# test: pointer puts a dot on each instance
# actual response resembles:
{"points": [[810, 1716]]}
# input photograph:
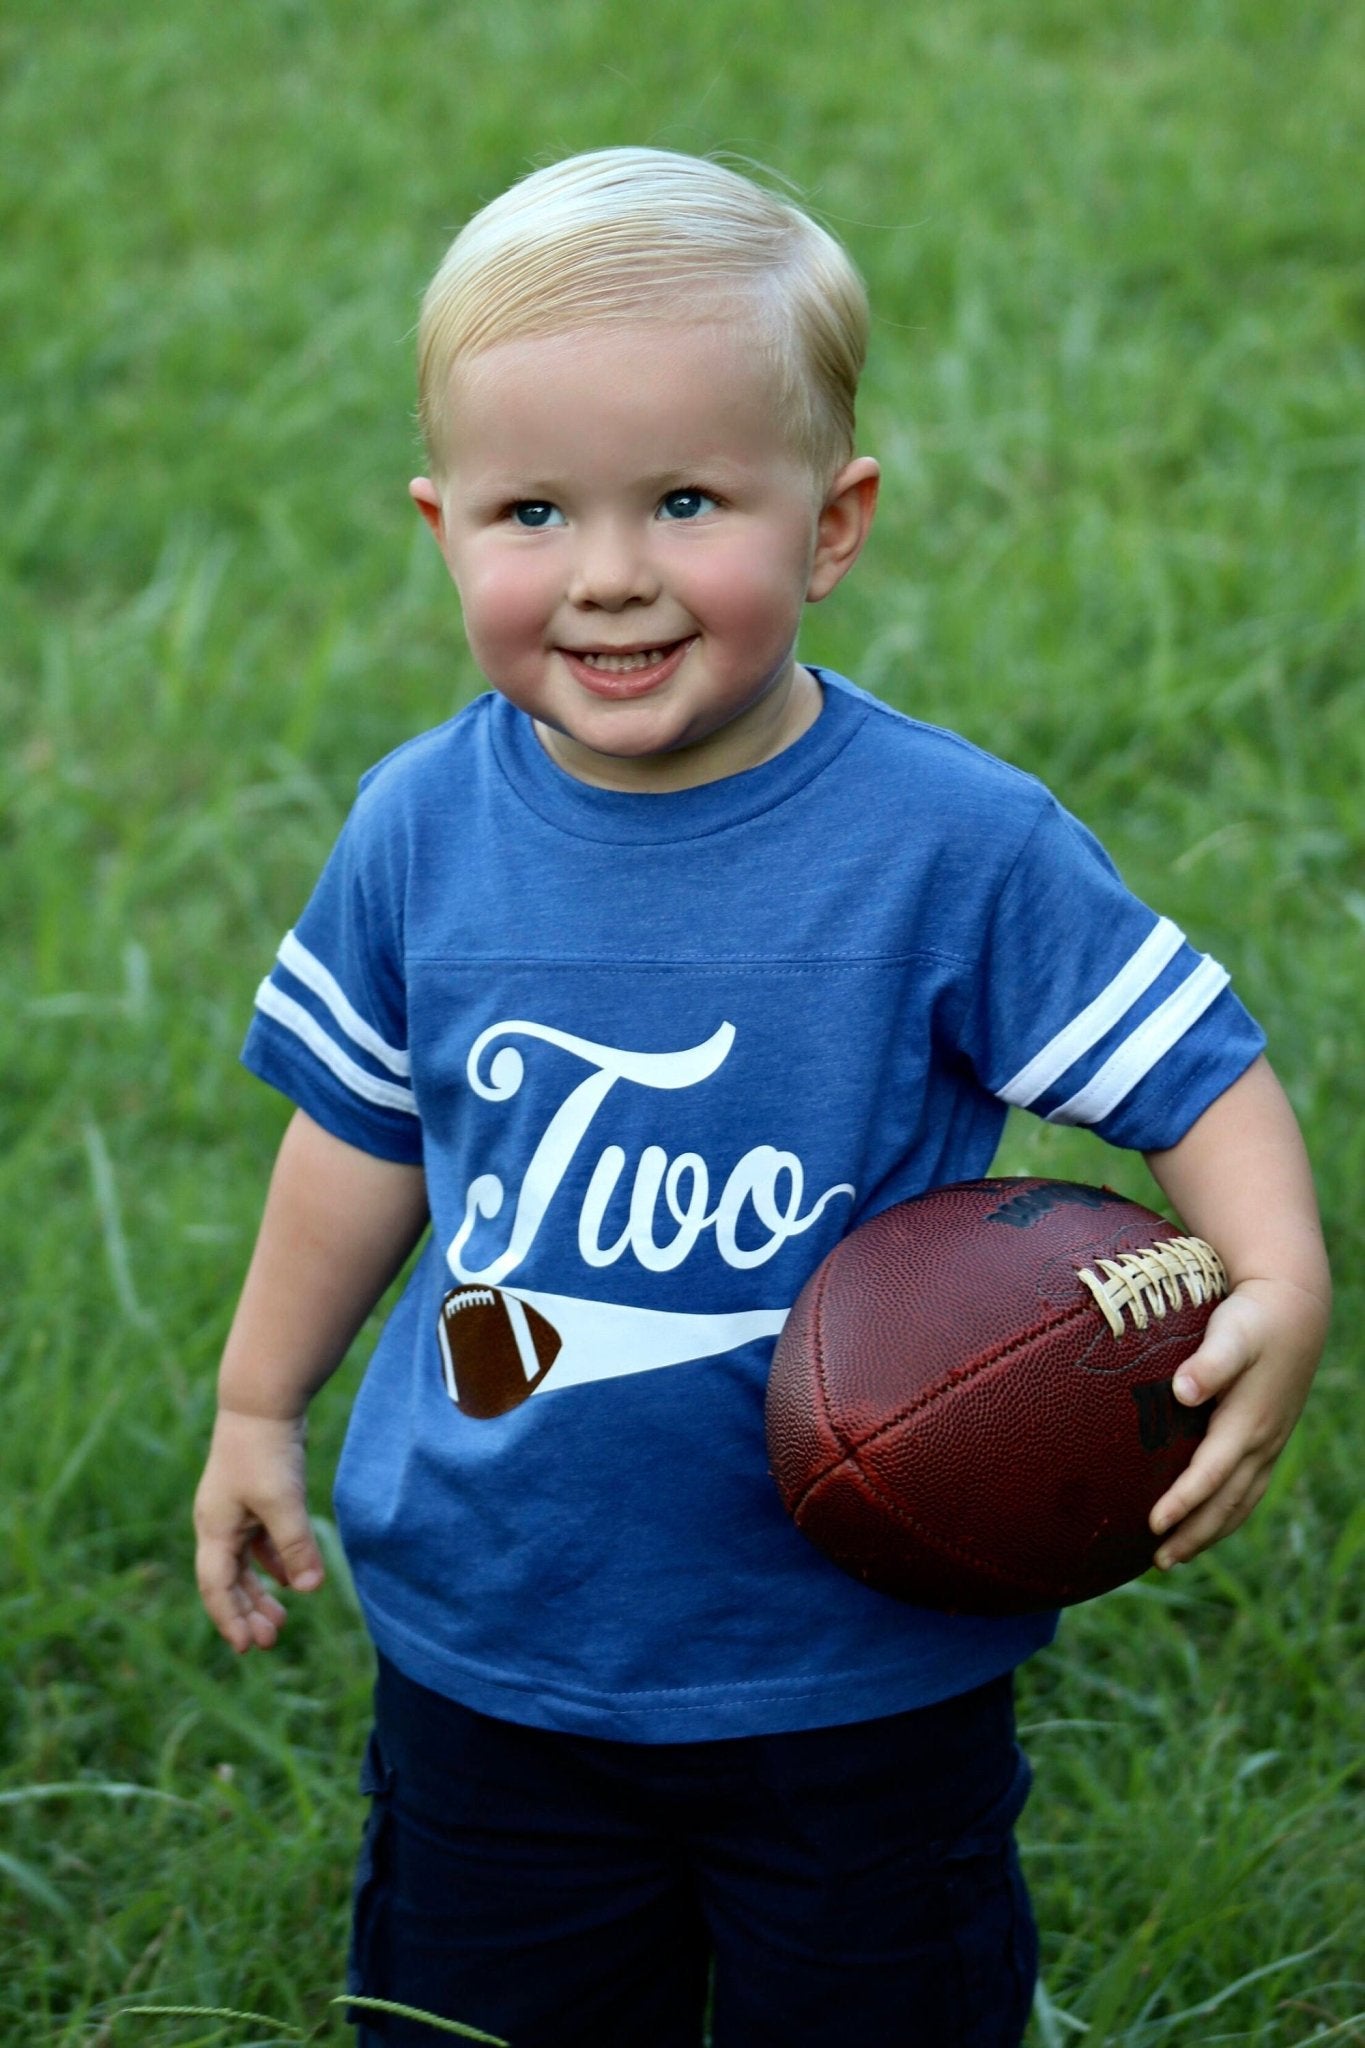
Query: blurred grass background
{"points": [[1118, 268]]}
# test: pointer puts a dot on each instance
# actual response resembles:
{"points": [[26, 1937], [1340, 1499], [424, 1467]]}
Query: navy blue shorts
{"points": [[854, 1884]]}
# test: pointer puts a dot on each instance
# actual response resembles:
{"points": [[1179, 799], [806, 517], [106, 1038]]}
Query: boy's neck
{"points": [[766, 730]]}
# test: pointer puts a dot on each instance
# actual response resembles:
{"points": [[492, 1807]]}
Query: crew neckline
{"points": [[654, 818]]}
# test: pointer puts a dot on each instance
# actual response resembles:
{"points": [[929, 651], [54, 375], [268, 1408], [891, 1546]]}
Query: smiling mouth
{"points": [[626, 664], [629, 672]]}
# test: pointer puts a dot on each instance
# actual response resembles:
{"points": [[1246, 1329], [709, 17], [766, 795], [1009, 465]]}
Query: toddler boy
{"points": [[646, 979]]}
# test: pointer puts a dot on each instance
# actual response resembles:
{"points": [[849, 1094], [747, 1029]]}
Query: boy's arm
{"points": [[1240, 1178], [338, 1224]]}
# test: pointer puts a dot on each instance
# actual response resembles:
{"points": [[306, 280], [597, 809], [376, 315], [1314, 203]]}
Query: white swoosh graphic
{"points": [[605, 1339]]}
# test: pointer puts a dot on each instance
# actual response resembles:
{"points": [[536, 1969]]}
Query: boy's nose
{"points": [[612, 569]]}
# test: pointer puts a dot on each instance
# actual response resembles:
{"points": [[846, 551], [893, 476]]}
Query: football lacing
{"points": [[1149, 1282], [469, 1297]]}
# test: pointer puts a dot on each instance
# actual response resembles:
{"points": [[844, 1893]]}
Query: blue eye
{"points": [[685, 505], [535, 513]]}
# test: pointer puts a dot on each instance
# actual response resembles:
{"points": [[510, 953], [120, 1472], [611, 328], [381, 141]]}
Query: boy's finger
{"points": [[286, 1546], [1225, 1511], [239, 1607], [264, 1619], [1227, 1349], [1176, 1505], [1210, 1469], [266, 1553]]}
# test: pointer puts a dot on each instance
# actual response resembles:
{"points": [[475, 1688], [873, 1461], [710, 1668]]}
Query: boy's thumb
{"points": [[306, 1577], [292, 1555]]}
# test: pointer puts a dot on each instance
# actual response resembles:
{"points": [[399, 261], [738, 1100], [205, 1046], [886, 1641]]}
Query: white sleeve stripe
{"points": [[307, 968], [295, 1018], [1149, 1044], [1077, 1038]]}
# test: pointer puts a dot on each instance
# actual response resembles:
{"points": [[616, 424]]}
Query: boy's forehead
{"points": [[707, 387]]}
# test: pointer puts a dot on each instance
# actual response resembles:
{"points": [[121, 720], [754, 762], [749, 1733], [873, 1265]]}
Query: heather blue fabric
{"points": [[658, 1054]]}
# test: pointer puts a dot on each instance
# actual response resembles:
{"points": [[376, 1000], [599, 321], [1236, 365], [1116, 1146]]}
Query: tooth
{"points": [[623, 664]]}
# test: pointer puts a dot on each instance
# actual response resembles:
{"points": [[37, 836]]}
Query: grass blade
{"points": [[427, 2019], [209, 2012], [111, 1222], [101, 1788], [33, 1885]]}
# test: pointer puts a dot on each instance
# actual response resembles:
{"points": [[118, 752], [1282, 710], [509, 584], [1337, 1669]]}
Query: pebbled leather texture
{"points": [[951, 1417]]}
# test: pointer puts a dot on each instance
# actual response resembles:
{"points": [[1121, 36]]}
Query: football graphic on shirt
{"points": [[495, 1350]]}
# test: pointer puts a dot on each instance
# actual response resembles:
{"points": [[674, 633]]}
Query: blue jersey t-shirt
{"points": [[657, 1054]]}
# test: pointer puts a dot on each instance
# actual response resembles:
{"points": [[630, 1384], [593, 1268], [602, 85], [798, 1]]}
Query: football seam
{"points": [[959, 1376], [817, 1332], [852, 1446], [942, 1545]]}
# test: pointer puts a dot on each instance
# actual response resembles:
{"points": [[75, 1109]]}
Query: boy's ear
{"points": [[427, 499], [844, 524]]}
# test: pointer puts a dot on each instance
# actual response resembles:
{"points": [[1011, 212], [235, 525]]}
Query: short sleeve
{"points": [[330, 1025], [1089, 1008]]}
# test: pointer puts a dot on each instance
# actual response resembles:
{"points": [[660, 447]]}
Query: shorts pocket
{"points": [[366, 1973], [996, 1941]]}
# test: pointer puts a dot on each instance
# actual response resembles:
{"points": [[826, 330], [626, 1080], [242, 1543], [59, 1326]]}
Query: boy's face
{"points": [[634, 537]]}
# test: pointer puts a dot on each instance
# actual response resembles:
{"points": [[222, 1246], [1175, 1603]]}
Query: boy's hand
{"points": [[1257, 1361], [250, 1505], [1240, 1178], [337, 1226]]}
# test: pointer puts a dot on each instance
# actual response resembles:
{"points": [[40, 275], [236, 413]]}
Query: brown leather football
{"points": [[970, 1405]]}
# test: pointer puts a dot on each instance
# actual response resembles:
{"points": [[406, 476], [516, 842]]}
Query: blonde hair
{"points": [[619, 235]]}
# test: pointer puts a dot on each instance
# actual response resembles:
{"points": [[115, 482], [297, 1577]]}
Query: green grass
{"points": [[1117, 385]]}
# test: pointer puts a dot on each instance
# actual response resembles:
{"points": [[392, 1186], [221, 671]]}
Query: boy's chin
{"points": [[638, 752], [606, 758]]}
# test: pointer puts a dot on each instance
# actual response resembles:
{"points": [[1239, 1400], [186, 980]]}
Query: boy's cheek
{"points": [[508, 623], [504, 617], [515, 662]]}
